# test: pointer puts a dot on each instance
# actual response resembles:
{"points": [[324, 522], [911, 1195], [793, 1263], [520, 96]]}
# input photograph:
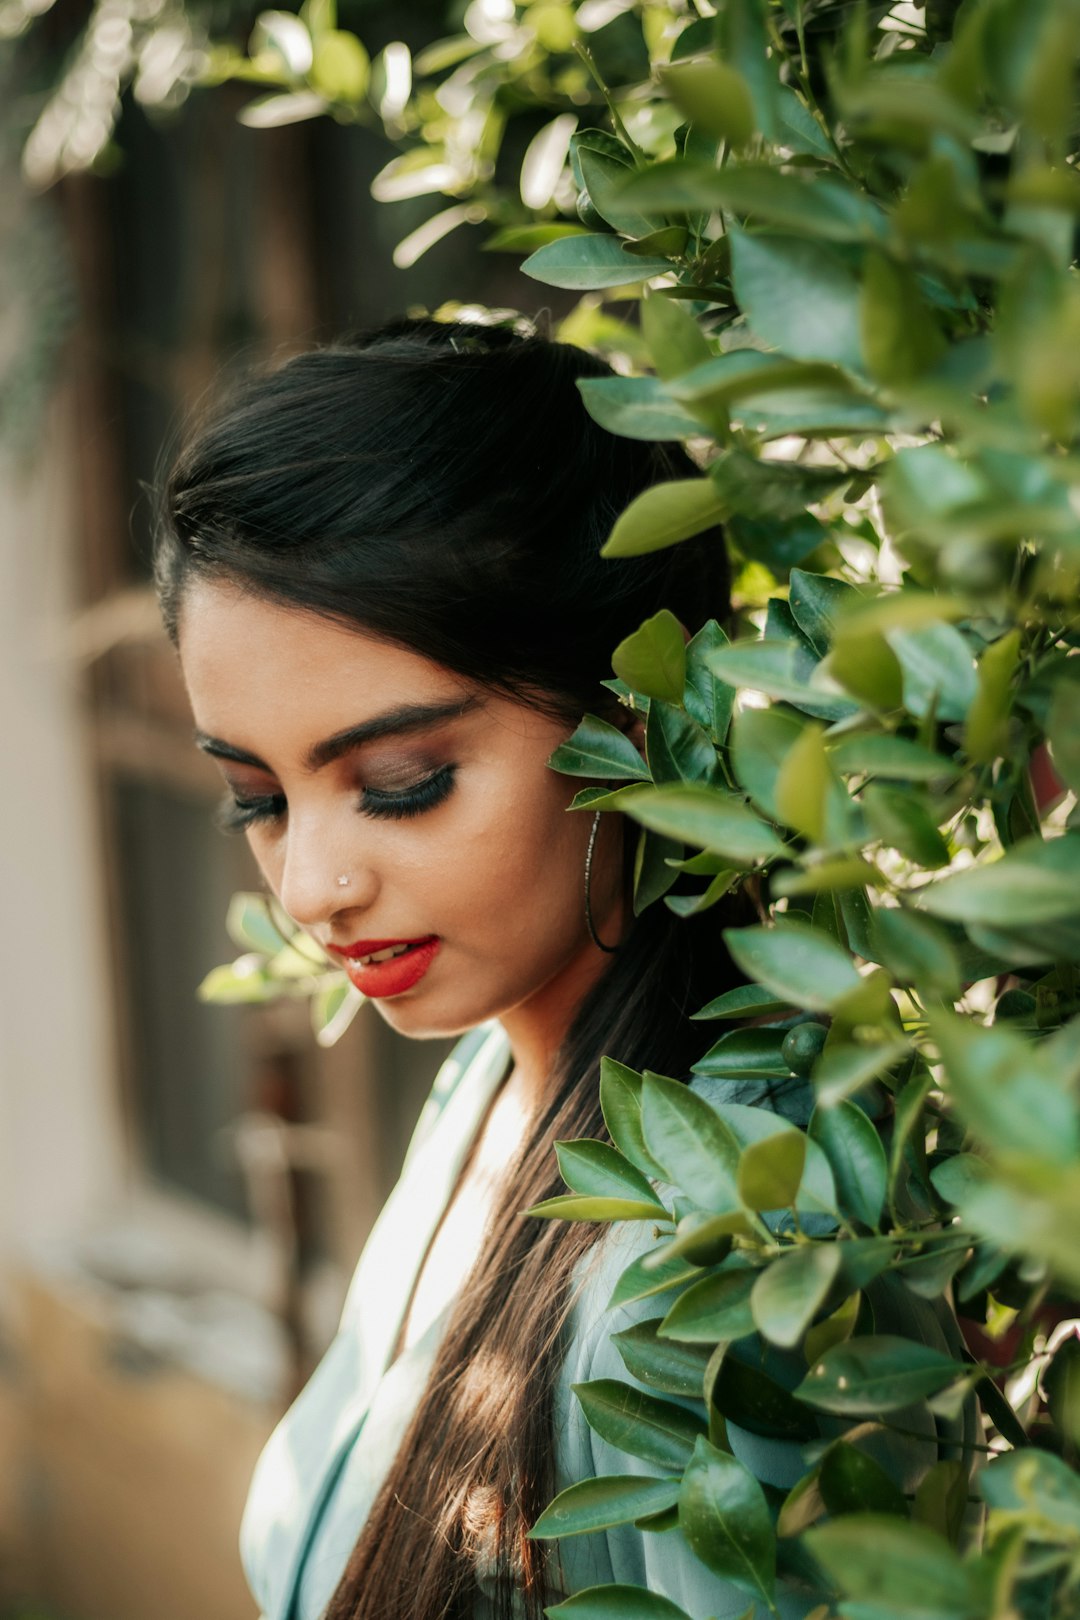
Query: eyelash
{"points": [[234, 815]]}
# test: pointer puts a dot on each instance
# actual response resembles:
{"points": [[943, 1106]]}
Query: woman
{"points": [[380, 566]]}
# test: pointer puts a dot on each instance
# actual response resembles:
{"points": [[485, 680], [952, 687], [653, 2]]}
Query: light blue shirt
{"points": [[323, 1466]]}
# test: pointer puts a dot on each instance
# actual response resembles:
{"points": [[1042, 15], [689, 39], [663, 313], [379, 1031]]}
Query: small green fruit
{"points": [[708, 1249], [802, 1047]]}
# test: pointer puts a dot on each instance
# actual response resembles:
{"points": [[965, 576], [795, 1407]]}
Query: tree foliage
{"points": [[848, 231]]}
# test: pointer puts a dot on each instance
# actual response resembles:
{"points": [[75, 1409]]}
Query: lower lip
{"points": [[396, 974]]}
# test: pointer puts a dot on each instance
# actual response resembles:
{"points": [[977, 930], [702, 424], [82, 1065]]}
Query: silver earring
{"points": [[343, 881], [590, 925]]}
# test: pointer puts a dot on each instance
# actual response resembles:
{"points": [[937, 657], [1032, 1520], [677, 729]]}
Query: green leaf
{"points": [[853, 1482], [673, 1369], [851, 1144], [620, 1103], [917, 951], [897, 758], [816, 205], [696, 1148], [340, 68], [770, 1170], [844, 1069], [778, 669], [941, 1499], [662, 515], [674, 339], [902, 822], [572, 1207], [712, 1310], [939, 671], [708, 700], [801, 964], [814, 600], [725, 1519], [601, 1503], [864, 1377], [653, 659], [598, 748], [746, 1053], [872, 1557], [636, 408], [1007, 1090], [645, 1277], [642, 1425], [745, 1001], [616, 1602], [707, 818], [598, 1170], [714, 97], [802, 784], [760, 742], [587, 262], [867, 667], [799, 296], [603, 176], [1037, 881], [901, 338], [678, 750], [986, 731], [788, 1293]]}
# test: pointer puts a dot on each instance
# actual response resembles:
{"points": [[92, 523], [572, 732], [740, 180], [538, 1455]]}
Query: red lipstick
{"points": [[394, 974]]}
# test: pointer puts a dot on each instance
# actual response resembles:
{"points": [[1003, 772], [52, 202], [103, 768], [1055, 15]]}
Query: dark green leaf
{"points": [[706, 818], [903, 823], [745, 1001], [708, 699], [777, 669], [616, 1603], [853, 1482], [642, 1281], [814, 599], [599, 749], [799, 296], [725, 1519], [643, 1425], [864, 1377], [673, 1369], [676, 747], [714, 1309], [872, 1557], [636, 408]]}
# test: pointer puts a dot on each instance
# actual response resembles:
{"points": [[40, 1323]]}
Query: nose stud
{"points": [[342, 881]]}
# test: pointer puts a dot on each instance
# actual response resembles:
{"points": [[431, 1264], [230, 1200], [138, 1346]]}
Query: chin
{"points": [[418, 1023]]}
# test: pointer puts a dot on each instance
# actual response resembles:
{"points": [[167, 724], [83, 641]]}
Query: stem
{"points": [[624, 134]]}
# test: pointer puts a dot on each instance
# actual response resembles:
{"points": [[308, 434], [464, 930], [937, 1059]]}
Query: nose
{"points": [[315, 859]]}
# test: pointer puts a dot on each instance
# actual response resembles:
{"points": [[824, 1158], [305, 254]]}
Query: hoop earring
{"points": [[590, 925]]}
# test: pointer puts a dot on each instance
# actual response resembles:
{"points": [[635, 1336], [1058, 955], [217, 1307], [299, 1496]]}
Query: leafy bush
{"points": [[851, 232]]}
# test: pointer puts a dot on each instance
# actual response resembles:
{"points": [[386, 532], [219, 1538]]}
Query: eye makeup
{"points": [[236, 813]]}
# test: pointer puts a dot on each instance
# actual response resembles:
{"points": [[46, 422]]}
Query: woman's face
{"points": [[442, 812]]}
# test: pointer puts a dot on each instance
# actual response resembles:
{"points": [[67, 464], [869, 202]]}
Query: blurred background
{"points": [[184, 1187]]}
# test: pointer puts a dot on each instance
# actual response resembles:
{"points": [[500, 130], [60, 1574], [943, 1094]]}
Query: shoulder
{"points": [[484, 1047]]}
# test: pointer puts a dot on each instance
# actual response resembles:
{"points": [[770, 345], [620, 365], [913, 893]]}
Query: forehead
{"points": [[248, 663]]}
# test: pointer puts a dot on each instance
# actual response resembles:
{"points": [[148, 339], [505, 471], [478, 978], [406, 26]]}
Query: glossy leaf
{"points": [[598, 748], [675, 341], [713, 1309], [663, 1364], [744, 1001], [642, 1281], [854, 1482], [884, 1373], [598, 1170], [799, 296], [575, 1207], [620, 1103], [777, 669], [856, 1156], [873, 1556], [725, 1519], [685, 1135], [616, 1602], [636, 408]]}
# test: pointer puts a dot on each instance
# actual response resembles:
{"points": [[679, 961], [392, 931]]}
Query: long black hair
{"points": [[442, 485]]}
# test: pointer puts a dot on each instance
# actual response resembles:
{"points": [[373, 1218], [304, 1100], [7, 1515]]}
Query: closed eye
{"points": [[235, 814]]}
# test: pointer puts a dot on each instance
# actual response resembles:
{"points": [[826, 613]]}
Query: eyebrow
{"points": [[405, 719]]}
